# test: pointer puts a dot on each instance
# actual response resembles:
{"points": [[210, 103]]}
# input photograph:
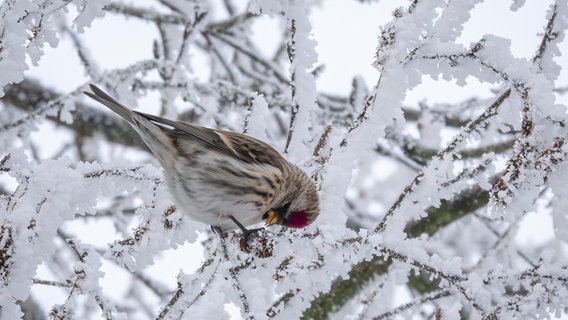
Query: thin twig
{"points": [[466, 131]]}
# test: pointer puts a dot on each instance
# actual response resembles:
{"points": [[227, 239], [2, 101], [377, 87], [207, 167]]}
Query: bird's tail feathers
{"points": [[100, 96], [153, 135]]}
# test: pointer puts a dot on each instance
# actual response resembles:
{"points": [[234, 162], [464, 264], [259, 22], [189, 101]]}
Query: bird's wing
{"points": [[241, 147], [252, 150]]}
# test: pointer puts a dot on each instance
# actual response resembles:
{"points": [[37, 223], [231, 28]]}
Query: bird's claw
{"points": [[244, 240]]}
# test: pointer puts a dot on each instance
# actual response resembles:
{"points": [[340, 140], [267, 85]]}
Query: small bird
{"points": [[225, 179]]}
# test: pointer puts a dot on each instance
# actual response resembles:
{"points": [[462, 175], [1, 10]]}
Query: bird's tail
{"points": [[109, 102], [153, 135]]}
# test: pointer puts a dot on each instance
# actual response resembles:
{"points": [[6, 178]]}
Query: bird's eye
{"points": [[284, 209], [297, 219]]}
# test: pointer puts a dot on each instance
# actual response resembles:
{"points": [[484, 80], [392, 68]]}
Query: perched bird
{"points": [[221, 178]]}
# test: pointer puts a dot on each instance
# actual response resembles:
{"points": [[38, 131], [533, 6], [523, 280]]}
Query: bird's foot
{"points": [[245, 238], [246, 234], [218, 231], [263, 247]]}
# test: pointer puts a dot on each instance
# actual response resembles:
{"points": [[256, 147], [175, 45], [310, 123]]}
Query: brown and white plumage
{"points": [[215, 175]]}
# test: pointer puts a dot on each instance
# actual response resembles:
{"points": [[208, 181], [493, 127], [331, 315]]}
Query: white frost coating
{"points": [[339, 174], [88, 270], [304, 83], [497, 54], [451, 309], [450, 25], [378, 294], [386, 108], [13, 53], [66, 111], [304, 58], [475, 258], [517, 4], [50, 196], [430, 126], [54, 193], [188, 8], [260, 289], [88, 11], [557, 183], [258, 117], [255, 6], [510, 115], [159, 228], [550, 68], [46, 34], [23, 17]]}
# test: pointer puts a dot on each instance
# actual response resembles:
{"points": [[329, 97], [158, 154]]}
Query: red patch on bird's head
{"points": [[297, 219]]}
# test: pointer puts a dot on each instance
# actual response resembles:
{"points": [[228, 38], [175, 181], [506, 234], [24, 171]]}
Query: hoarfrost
{"points": [[435, 237]]}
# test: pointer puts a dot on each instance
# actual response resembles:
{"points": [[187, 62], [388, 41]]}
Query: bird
{"points": [[224, 179]]}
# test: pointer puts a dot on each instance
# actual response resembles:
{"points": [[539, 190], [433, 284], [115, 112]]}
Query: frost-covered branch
{"points": [[424, 205]]}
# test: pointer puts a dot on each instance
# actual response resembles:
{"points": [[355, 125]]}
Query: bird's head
{"points": [[299, 204]]}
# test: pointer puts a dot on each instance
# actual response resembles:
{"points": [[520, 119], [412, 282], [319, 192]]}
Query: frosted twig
{"points": [[360, 117], [549, 35], [3, 167], [188, 30], [249, 104], [106, 311], [415, 303], [294, 108], [59, 284], [280, 303], [253, 55], [468, 173], [226, 64], [233, 271], [453, 280], [89, 64], [500, 240], [145, 14], [212, 264], [322, 141], [473, 125]]}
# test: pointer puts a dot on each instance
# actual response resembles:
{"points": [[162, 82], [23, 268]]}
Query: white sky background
{"points": [[346, 32]]}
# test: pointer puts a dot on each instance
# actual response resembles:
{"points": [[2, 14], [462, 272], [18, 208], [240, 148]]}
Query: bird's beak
{"points": [[272, 218]]}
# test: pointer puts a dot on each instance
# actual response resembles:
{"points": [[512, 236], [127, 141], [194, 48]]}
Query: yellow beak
{"points": [[273, 218]]}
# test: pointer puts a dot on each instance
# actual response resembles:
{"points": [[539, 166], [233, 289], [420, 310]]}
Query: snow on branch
{"points": [[442, 208]]}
